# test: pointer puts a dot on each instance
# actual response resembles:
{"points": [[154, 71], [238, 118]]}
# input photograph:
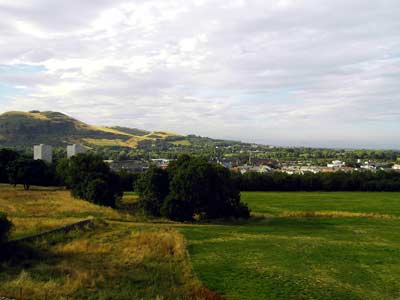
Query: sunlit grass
{"points": [[341, 246], [117, 259], [42, 209], [114, 261]]}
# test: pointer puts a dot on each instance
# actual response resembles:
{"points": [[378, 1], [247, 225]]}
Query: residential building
{"points": [[43, 152], [74, 150], [336, 164]]}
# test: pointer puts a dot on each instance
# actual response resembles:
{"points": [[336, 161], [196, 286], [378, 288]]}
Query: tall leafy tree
{"points": [[153, 188], [90, 178], [7, 156], [30, 172]]}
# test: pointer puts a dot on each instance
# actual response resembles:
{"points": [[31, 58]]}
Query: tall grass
{"points": [[42, 209], [113, 260]]}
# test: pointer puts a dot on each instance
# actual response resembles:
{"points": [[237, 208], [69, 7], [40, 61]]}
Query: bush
{"points": [[5, 228]]}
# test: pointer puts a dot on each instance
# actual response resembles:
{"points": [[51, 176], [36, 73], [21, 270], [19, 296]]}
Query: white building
{"points": [[396, 167], [43, 152], [336, 164], [74, 150]]}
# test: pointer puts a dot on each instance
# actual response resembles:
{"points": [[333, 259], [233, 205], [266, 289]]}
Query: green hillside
{"points": [[28, 128]]}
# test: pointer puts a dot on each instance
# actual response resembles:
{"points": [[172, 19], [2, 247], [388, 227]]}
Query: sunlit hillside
{"points": [[27, 128]]}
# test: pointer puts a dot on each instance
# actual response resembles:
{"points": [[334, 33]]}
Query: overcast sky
{"points": [[306, 72]]}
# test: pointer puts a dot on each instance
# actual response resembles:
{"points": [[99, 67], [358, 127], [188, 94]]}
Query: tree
{"points": [[91, 179], [128, 180], [5, 228], [7, 156], [198, 188], [153, 188], [30, 172]]}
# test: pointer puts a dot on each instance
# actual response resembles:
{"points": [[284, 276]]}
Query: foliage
{"points": [[337, 181], [153, 188], [128, 180], [200, 188], [191, 187], [5, 227], [30, 172], [7, 156], [91, 179]]}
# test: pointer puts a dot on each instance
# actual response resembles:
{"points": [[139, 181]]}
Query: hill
{"points": [[55, 128], [24, 129]]}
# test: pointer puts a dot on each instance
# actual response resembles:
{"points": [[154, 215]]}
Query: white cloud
{"points": [[306, 71]]}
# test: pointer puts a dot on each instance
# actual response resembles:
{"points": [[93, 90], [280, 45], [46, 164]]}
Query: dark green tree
{"points": [[7, 156], [30, 172], [153, 188], [90, 178], [198, 188]]}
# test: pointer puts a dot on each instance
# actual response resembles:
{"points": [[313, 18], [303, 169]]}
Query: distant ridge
{"points": [[19, 128], [25, 129]]}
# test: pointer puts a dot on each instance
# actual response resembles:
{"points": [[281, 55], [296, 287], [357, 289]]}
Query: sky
{"points": [[321, 73]]}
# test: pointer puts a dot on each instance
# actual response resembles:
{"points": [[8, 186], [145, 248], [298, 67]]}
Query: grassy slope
{"points": [[42, 209], [286, 258], [56, 128], [117, 259]]}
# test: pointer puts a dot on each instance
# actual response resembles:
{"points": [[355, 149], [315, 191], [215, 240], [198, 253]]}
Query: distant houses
{"points": [[336, 164]]}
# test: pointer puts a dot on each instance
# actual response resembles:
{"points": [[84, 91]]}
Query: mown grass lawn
{"points": [[356, 202], [290, 256]]}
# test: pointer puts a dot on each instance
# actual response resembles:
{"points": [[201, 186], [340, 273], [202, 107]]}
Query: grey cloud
{"points": [[268, 71]]}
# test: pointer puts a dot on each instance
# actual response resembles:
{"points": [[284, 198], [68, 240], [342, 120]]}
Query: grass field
{"points": [[306, 246], [340, 246], [118, 258], [348, 202]]}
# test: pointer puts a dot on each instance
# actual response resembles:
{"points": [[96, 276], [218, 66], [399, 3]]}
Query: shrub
{"points": [[5, 227]]}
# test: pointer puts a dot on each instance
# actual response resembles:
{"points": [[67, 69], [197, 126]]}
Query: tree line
{"points": [[86, 175], [337, 181], [190, 188]]}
